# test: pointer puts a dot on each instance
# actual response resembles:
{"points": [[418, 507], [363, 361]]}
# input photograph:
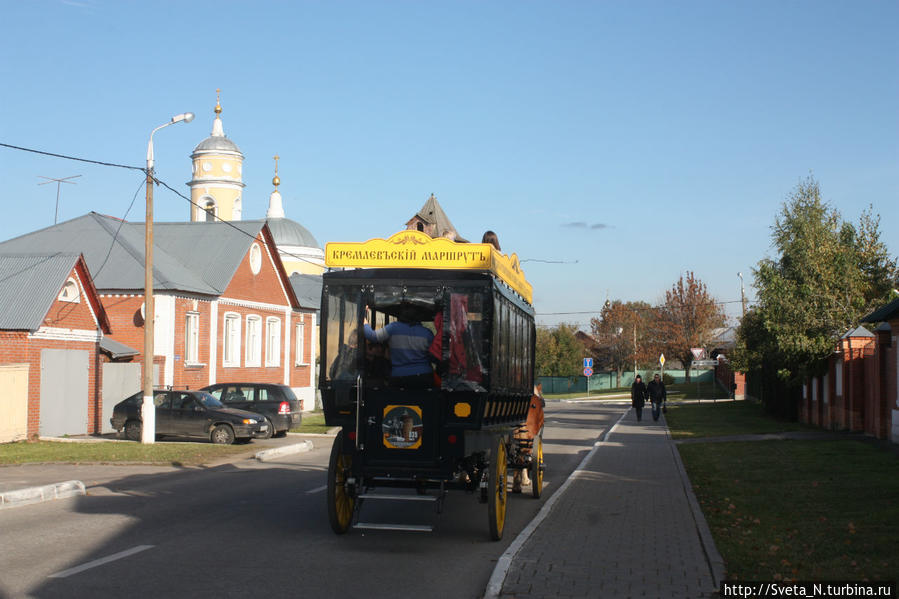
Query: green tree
{"points": [[619, 326], [559, 353], [687, 318], [827, 275]]}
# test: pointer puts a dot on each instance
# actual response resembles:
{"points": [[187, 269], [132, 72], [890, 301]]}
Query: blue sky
{"points": [[630, 141]]}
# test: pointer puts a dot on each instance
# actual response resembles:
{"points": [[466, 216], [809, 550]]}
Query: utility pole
{"points": [[148, 409], [58, 181], [635, 349], [742, 293]]}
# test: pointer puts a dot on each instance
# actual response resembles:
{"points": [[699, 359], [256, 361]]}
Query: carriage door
{"points": [[64, 376]]}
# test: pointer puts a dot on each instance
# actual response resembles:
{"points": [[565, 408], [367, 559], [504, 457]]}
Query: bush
{"points": [[667, 379]]}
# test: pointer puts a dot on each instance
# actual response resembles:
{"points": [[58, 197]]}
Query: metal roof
{"points": [[194, 257], [115, 349], [216, 143], [29, 284], [858, 332], [308, 289], [887, 312], [212, 251], [432, 212], [290, 232]]}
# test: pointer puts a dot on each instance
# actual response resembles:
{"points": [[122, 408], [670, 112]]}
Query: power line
{"points": [[157, 180], [136, 168], [650, 308], [229, 223], [548, 261]]}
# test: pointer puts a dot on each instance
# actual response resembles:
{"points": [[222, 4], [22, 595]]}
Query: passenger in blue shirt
{"points": [[409, 342]]}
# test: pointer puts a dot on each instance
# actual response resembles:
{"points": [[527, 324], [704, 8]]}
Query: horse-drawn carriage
{"points": [[463, 430]]}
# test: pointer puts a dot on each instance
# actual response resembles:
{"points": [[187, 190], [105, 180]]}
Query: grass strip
{"points": [[721, 418], [313, 422], [799, 510], [177, 454]]}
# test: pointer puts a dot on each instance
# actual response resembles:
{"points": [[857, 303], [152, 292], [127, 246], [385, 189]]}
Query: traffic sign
{"points": [[703, 363], [662, 359], [588, 362], [588, 371], [697, 352]]}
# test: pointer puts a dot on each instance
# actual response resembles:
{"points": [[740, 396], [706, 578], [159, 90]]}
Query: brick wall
{"points": [[265, 286], [192, 376], [859, 387]]}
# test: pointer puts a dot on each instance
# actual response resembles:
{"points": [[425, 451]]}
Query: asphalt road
{"points": [[252, 529]]}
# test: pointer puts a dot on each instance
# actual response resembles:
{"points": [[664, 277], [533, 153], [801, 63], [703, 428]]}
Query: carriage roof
{"points": [[417, 250]]}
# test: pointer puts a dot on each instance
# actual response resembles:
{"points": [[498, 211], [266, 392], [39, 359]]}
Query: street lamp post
{"points": [[148, 410]]}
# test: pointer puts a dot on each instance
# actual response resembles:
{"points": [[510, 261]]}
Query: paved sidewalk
{"points": [[627, 525]]}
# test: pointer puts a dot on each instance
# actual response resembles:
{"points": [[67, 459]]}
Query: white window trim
{"points": [[272, 349], [253, 354], [255, 258], [300, 344], [70, 284], [235, 317], [192, 358]]}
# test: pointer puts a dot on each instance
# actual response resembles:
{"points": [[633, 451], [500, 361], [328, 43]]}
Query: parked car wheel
{"points": [[280, 433], [270, 431], [222, 434], [133, 430]]}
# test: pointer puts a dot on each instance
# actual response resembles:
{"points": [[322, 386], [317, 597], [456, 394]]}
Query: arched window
{"points": [[69, 292], [208, 205], [255, 258]]}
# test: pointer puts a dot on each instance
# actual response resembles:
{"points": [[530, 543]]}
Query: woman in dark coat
{"points": [[638, 396]]}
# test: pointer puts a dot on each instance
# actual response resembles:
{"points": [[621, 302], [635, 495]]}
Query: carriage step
{"points": [[386, 526], [398, 497]]}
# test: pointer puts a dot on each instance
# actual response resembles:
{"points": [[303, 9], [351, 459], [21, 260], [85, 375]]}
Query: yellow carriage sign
{"points": [[414, 249]]}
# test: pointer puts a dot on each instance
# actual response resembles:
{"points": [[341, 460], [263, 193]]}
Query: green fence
{"points": [[604, 381]]}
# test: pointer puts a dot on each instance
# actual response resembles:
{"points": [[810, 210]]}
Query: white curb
{"points": [[70, 488], [271, 454]]}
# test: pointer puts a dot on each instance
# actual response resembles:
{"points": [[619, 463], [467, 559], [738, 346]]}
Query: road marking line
{"points": [[317, 490], [101, 561]]}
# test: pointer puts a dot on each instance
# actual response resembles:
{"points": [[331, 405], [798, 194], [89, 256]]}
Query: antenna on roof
{"points": [[58, 182]]}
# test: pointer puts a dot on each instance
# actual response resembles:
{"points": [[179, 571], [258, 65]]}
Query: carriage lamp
{"points": [[462, 409]]}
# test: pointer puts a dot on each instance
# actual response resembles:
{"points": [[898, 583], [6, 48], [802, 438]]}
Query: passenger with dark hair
{"points": [[408, 341], [638, 396], [491, 238]]}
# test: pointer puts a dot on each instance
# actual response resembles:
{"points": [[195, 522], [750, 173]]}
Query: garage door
{"points": [[120, 380], [13, 402], [64, 374]]}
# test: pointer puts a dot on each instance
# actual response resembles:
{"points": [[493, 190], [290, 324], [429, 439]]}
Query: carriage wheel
{"points": [[536, 470], [496, 491], [340, 502]]}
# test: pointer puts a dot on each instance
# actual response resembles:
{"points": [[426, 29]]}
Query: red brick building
{"points": [[860, 390], [224, 307], [51, 324]]}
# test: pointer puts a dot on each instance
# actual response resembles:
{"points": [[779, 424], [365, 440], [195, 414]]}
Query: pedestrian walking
{"points": [[657, 395], [638, 396]]}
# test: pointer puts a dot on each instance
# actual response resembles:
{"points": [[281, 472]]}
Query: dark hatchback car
{"points": [[277, 403], [189, 414]]}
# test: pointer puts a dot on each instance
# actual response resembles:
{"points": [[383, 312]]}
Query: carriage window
{"points": [[501, 358], [466, 352], [342, 335], [516, 349]]}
